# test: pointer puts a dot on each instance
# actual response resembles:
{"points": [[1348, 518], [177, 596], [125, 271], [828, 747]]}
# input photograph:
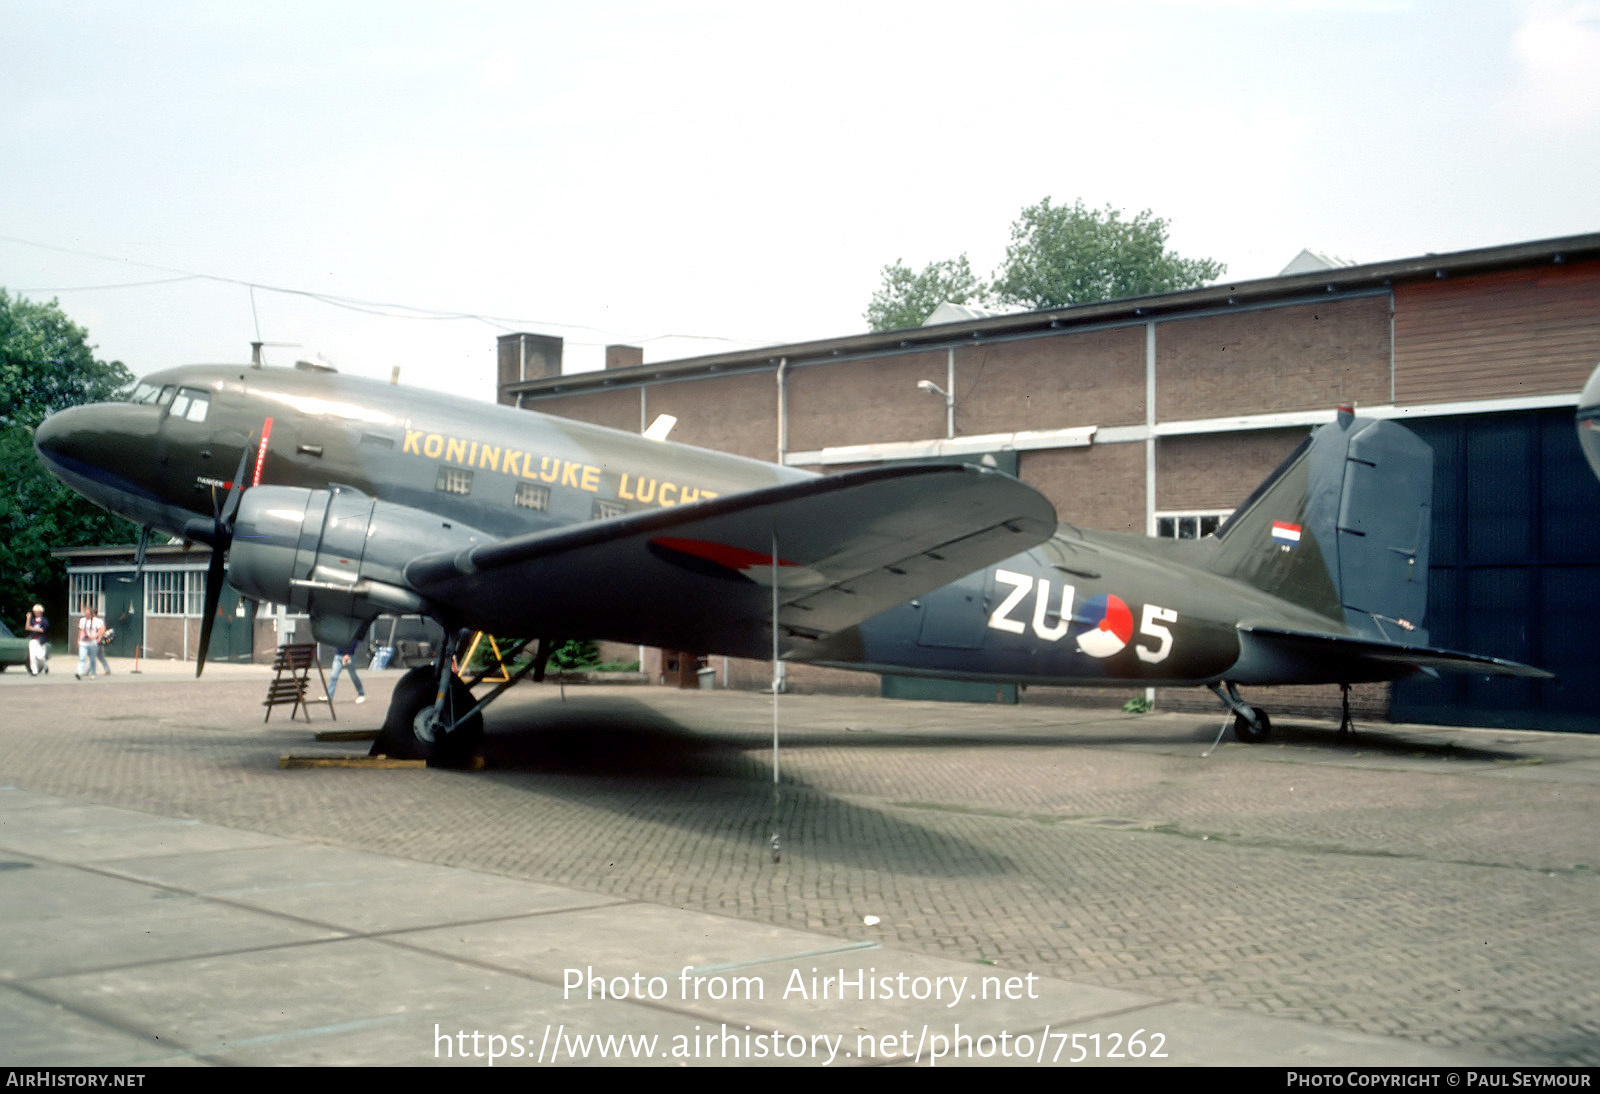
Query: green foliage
{"points": [[46, 364], [1061, 255], [1139, 704], [575, 655], [907, 298]]}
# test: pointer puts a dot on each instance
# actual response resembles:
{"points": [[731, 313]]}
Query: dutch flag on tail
{"points": [[1285, 534]]}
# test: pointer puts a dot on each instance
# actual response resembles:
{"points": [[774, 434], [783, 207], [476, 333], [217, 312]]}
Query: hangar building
{"points": [[1161, 413]]}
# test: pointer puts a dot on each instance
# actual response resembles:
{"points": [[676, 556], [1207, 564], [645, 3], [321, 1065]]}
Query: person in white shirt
{"points": [[90, 629]]}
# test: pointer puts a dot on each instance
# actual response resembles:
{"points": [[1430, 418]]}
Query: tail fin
{"points": [[1342, 528]]}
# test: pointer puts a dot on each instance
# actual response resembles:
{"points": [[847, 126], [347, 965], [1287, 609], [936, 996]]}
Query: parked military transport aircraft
{"points": [[347, 498]]}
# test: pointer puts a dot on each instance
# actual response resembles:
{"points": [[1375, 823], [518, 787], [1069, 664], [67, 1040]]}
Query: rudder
{"points": [[1342, 528]]}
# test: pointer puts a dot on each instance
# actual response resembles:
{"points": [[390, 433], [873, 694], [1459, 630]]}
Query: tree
{"points": [[906, 299], [46, 364], [1060, 256]]}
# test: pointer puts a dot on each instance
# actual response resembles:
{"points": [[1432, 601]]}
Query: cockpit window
{"points": [[144, 393], [191, 404]]}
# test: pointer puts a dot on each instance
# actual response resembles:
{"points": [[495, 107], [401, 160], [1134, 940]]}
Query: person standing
{"points": [[341, 660], [106, 634], [38, 631], [90, 628]]}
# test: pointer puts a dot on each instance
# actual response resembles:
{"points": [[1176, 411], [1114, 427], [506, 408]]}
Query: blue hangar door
{"points": [[1515, 572]]}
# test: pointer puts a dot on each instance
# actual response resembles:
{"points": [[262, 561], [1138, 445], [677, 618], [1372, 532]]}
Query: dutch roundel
{"points": [[1110, 626]]}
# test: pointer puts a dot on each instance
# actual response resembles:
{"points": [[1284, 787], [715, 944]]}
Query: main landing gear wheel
{"points": [[1248, 733], [1251, 725], [412, 731]]}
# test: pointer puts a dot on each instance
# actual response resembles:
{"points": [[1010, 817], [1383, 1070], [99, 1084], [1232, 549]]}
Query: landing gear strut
{"points": [[1250, 724], [433, 714], [1347, 724]]}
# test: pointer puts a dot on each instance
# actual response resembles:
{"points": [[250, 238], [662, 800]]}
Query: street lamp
{"points": [[949, 404]]}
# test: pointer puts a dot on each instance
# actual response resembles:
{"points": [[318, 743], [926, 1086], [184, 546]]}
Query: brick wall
{"points": [[1100, 486], [1088, 378], [858, 402], [737, 414], [1305, 357], [616, 409], [1218, 470]]}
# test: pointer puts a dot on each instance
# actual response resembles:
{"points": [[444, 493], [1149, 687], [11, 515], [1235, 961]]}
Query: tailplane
{"points": [[1342, 528]]}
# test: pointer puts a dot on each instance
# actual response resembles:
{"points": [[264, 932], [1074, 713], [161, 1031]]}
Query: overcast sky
{"points": [[736, 172]]}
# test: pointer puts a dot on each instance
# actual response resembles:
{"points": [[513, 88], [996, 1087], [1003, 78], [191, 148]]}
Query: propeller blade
{"points": [[214, 577], [221, 539], [230, 506]]}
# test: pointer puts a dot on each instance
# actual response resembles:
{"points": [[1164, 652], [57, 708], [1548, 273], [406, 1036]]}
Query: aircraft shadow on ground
{"points": [[624, 756], [1384, 740], [611, 735]]}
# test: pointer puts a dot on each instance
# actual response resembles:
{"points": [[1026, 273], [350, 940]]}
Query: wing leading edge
{"points": [[700, 577]]}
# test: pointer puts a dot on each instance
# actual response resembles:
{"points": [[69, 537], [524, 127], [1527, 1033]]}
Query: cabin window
{"points": [[1190, 525], [191, 404], [531, 495], [605, 510], [453, 480]]}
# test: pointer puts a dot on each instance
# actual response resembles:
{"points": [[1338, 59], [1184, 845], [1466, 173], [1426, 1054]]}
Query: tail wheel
{"points": [[412, 731], [1251, 726]]}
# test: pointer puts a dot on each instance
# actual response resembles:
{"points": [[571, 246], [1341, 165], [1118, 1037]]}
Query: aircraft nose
{"points": [[102, 443], [58, 439]]}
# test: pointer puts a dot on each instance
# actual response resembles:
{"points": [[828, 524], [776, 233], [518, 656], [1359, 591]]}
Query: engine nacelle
{"points": [[335, 554]]}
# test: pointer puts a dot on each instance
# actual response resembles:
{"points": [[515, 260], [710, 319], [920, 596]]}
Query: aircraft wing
{"points": [[1340, 654], [701, 577]]}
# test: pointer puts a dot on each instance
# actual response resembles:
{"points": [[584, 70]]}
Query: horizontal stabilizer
{"points": [[1334, 658], [700, 577]]}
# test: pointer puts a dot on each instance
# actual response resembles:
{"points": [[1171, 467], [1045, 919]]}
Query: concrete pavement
{"points": [[1423, 897]]}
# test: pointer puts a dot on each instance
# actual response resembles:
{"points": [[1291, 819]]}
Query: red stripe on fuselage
{"points": [[261, 453]]}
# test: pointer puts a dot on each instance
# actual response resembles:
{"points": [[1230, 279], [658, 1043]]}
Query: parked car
{"points": [[13, 650]]}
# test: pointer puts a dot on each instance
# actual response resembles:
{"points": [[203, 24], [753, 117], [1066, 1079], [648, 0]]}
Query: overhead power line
{"points": [[382, 309]]}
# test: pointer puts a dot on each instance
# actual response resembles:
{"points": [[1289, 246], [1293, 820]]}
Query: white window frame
{"points": [[1196, 519], [86, 591], [174, 594]]}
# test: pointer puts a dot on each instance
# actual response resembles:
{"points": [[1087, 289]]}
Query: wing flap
{"points": [[701, 577]]}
